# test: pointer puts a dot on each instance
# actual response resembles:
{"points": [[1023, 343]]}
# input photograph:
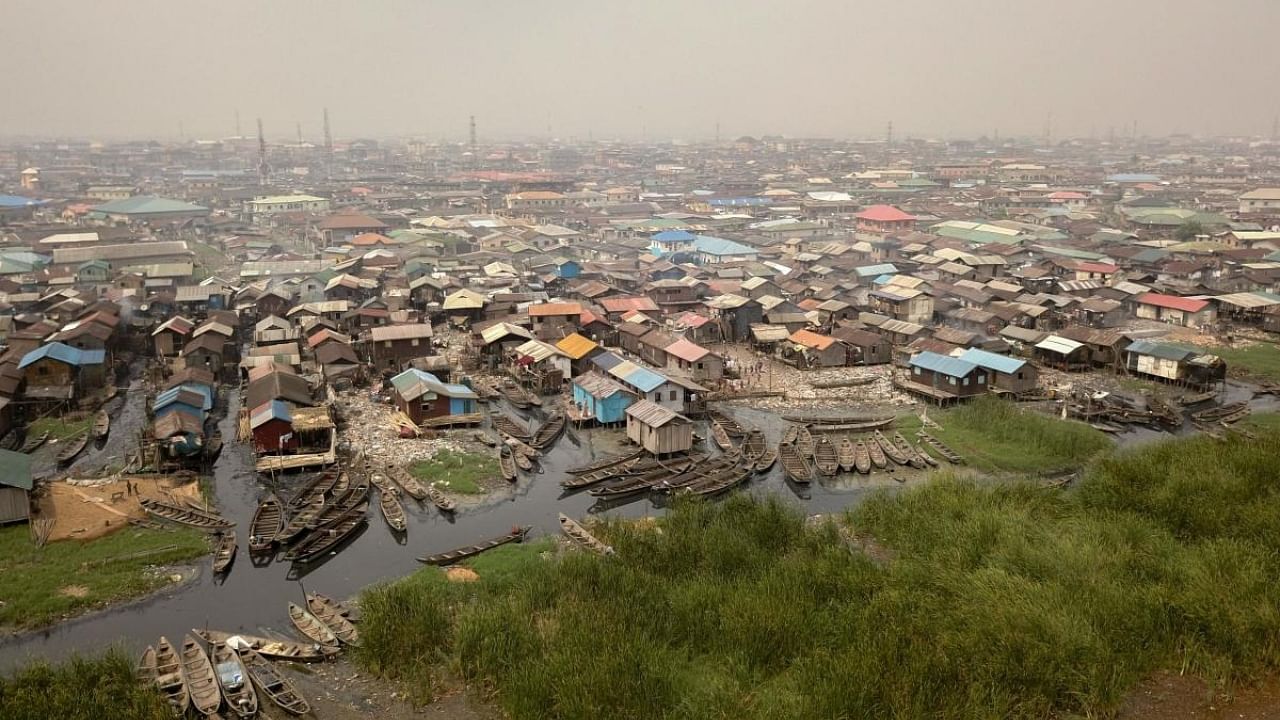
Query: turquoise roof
{"points": [[146, 205], [719, 246]]}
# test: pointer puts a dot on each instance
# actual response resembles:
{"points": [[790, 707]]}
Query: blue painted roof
{"points": [[720, 246], [953, 367], [274, 410], [879, 269], [991, 361], [13, 201], [170, 396], [64, 353], [642, 379], [738, 202], [673, 236], [606, 361]]}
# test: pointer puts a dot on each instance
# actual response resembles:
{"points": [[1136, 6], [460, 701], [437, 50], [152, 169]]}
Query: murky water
{"points": [[253, 599]]}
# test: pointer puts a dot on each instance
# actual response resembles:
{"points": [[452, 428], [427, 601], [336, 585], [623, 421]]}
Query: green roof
{"points": [[147, 205], [15, 469]]}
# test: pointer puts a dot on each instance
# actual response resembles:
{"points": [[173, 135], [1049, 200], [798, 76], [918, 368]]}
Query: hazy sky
{"points": [[651, 68]]}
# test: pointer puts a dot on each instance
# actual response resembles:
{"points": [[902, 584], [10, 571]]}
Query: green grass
{"points": [[81, 689], [998, 600], [997, 436], [1261, 360], [58, 428], [32, 579], [459, 472], [1262, 421]]}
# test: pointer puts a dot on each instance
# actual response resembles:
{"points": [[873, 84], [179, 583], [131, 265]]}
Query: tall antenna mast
{"points": [[238, 123], [299, 132], [473, 136], [888, 135], [264, 170], [328, 146]]}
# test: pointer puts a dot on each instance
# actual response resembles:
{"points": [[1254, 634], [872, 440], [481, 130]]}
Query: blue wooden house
{"points": [[601, 397]]}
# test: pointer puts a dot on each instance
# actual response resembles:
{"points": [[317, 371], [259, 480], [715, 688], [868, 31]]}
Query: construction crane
{"points": [[264, 170]]}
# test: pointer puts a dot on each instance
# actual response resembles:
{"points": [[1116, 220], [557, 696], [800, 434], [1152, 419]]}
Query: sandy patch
{"points": [[74, 591], [461, 574], [90, 511]]}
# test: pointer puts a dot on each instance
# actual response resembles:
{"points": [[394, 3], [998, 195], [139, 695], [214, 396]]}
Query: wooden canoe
{"points": [[643, 482], [311, 627], [505, 424], [889, 449], [517, 534], [352, 499], [507, 463], [332, 619], [851, 422], [825, 458], [439, 499], [33, 443], [343, 609], [328, 537], [101, 425], [313, 490], [269, 647], [224, 551], [340, 487], [791, 434], [392, 510], [169, 677], [854, 381], [923, 454], [515, 396], [198, 673], [795, 465], [861, 458], [942, 449], [846, 455], [410, 484], [604, 463], [1198, 398], [878, 459], [721, 436], [522, 461], [549, 431], [72, 448], [699, 472], [730, 425], [754, 447], [766, 460], [233, 678], [299, 523], [184, 515], [146, 668], [1217, 413], [268, 521], [727, 479], [270, 683], [913, 458], [804, 441], [574, 531], [574, 482], [1236, 416]]}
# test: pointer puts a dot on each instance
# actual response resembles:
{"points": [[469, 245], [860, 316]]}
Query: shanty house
{"points": [[59, 372], [658, 429], [601, 398], [810, 349], [694, 360], [1064, 353], [171, 335], [863, 347], [15, 487], [1187, 312], [421, 395], [945, 378], [272, 427], [1007, 374], [205, 352], [1166, 361], [393, 346]]}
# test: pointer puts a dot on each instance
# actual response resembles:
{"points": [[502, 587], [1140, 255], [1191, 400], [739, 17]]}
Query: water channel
{"points": [[253, 599]]}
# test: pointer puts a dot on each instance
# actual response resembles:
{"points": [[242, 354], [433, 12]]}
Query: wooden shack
{"points": [[658, 429], [15, 487]]}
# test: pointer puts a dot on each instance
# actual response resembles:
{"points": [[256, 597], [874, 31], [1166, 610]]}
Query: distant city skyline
{"points": [[651, 71]]}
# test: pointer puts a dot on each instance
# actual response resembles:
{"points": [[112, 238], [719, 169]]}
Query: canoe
{"points": [[574, 531], [224, 551], [728, 478], [846, 455], [299, 523], [439, 499], [549, 431], [825, 458], [392, 510], [791, 434], [795, 465], [101, 425], [269, 647], [1236, 416], [1216, 413], [233, 678], [804, 442], [270, 683], [332, 619], [353, 498], [878, 459], [721, 436], [699, 472], [854, 381], [327, 537], [766, 460], [72, 448], [603, 464], [268, 521], [346, 611], [507, 463], [382, 482], [942, 449], [754, 447], [889, 449], [197, 671], [522, 461], [850, 421], [146, 668], [505, 424], [861, 458], [515, 396], [168, 676], [730, 425], [909, 452], [1198, 398], [929, 460], [517, 534], [642, 482], [33, 443], [340, 487], [574, 482], [314, 489], [184, 515], [410, 484], [311, 627]]}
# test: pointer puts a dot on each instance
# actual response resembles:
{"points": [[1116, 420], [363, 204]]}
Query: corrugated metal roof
{"points": [[992, 361], [652, 414], [686, 350], [642, 379], [1059, 344], [274, 410], [769, 333], [576, 346], [63, 353], [537, 350], [952, 367], [493, 333], [400, 332], [1165, 351], [597, 385], [607, 361]]}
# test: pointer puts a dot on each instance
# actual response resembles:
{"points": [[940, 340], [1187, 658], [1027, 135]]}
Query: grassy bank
{"points": [[58, 428], [1261, 360], [1004, 600], [38, 586], [80, 689], [999, 436], [459, 472]]}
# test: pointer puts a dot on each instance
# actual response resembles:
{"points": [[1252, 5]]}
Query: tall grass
{"points": [[1003, 600], [81, 689], [998, 436]]}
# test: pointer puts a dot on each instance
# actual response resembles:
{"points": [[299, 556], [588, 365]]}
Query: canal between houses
{"points": [[253, 599]]}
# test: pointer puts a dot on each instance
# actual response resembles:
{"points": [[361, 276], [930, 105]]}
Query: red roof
{"points": [[1173, 302], [811, 339], [685, 350], [884, 213], [623, 304], [1096, 267], [545, 309]]}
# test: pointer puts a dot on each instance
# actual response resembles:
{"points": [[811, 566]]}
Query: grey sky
{"points": [[657, 68]]}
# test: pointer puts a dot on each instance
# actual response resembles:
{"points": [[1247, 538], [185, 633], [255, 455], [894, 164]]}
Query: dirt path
{"points": [[339, 691], [87, 511], [1166, 696]]}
